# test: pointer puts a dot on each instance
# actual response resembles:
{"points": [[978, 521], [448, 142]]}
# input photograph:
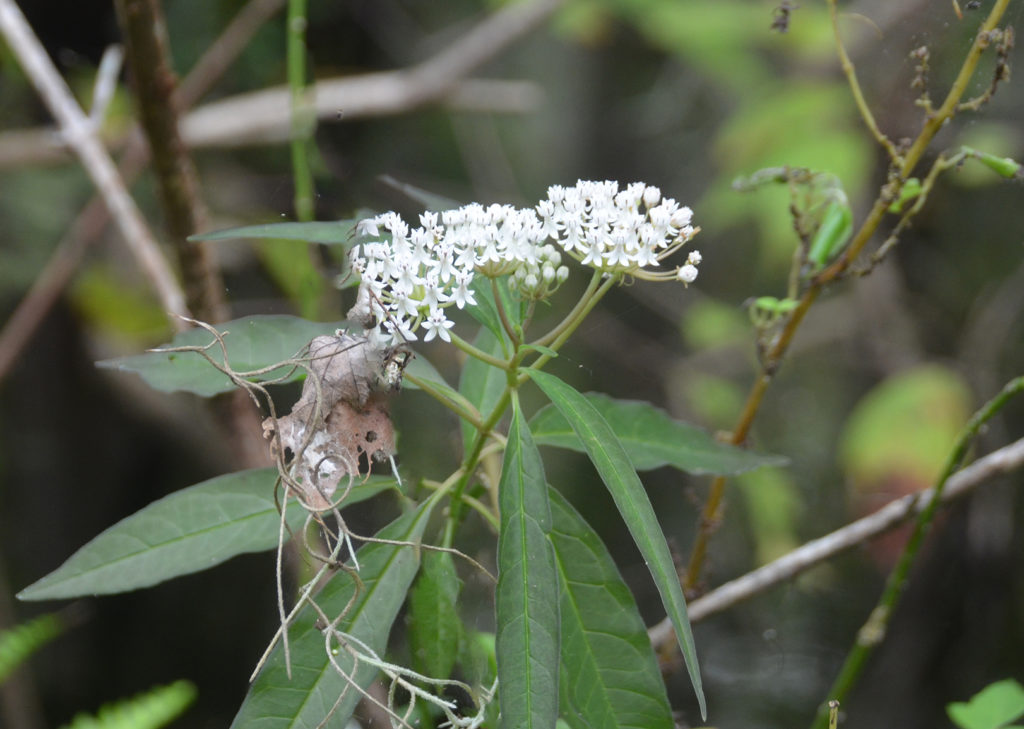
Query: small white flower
{"points": [[437, 325], [694, 258]]}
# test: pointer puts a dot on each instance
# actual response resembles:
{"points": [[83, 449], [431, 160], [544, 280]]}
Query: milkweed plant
{"points": [[567, 643], [567, 639]]}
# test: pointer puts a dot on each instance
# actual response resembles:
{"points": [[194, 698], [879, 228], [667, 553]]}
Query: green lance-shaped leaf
{"points": [[619, 476], [527, 593], [305, 700], [435, 629], [336, 232], [609, 675], [651, 438], [188, 531], [253, 342]]}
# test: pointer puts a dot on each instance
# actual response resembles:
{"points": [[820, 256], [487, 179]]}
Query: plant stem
{"points": [[711, 514], [873, 631], [451, 399], [858, 95], [302, 122], [478, 353], [142, 24]]}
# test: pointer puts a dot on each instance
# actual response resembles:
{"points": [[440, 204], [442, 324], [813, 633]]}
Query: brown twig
{"points": [[263, 117], [1005, 460], [94, 217], [711, 515], [146, 45], [80, 134]]}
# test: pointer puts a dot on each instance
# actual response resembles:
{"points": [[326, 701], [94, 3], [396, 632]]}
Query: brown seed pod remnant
{"points": [[342, 418]]}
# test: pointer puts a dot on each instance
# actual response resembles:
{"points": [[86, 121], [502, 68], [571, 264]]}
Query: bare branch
{"points": [[896, 512], [147, 48], [263, 117], [93, 219], [80, 134]]}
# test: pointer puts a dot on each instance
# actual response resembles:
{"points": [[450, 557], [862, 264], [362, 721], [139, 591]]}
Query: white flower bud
{"points": [[694, 258], [682, 217], [652, 196], [687, 274], [562, 274]]}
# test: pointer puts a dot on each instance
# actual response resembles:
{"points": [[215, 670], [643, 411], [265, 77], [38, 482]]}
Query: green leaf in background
{"points": [[188, 531], [252, 342], [651, 438], [119, 308], [527, 593], [613, 464], [994, 707], [291, 266], [904, 428], [326, 232], [480, 383], [435, 629], [304, 701], [609, 675], [151, 710], [21, 641]]}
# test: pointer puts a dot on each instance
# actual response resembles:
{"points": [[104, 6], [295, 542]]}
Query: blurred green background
{"points": [[682, 94]]}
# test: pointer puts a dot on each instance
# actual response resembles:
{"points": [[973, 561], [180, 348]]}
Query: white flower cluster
{"points": [[619, 231], [409, 277]]}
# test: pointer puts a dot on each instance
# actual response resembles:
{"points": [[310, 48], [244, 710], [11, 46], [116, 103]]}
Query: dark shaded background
{"points": [[626, 98]]}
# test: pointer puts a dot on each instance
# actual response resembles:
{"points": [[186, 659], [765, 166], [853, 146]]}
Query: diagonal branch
{"points": [[80, 134], [91, 221], [142, 24], [264, 117], [1005, 460]]}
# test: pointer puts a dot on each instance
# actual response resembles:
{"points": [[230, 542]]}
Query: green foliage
{"points": [[21, 641], [335, 232], [252, 342], [905, 426], [290, 264], [435, 630], [609, 673], [150, 710], [189, 531], [619, 476], [527, 595], [311, 690], [651, 438], [994, 707]]}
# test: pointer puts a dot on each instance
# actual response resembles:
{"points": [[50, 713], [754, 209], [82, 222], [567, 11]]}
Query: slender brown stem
{"points": [[90, 223], [146, 46], [711, 514]]}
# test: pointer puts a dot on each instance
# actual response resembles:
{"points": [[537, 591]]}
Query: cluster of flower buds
{"points": [[409, 277]]}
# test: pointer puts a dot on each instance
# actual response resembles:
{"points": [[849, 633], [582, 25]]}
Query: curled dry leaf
{"points": [[342, 417]]}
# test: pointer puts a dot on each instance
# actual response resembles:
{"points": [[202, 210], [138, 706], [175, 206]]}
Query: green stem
{"points": [[564, 330], [302, 122], [505, 323], [873, 631], [451, 399], [477, 353], [571, 317]]}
